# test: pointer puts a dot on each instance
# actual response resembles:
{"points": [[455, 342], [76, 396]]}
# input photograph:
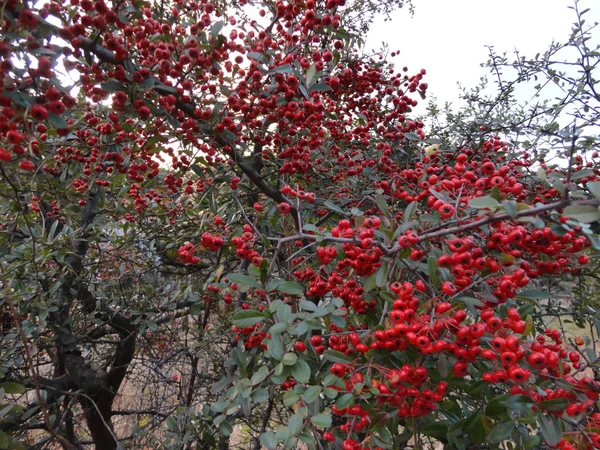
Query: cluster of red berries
{"points": [[244, 245], [211, 242], [187, 253]]}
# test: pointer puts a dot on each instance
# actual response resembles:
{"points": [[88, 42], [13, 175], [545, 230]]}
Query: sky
{"points": [[448, 37]]}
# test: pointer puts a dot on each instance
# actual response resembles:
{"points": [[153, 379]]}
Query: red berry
{"points": [[284, 207], [25, 164], [5, 155], [300, 346]]}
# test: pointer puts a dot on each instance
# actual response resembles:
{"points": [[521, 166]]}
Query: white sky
{"points": [[448, 37]]}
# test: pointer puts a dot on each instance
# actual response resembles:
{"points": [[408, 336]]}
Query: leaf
{"points": [[260, 396], [345, 400], [320, 87], [289, 359], [484, 202], [321, 420], [409, 211], [307, 306], [412, 136], [12, 387], [550, 429], [153, 140], [284, 313], [381, 275], [311, 394], [247, 318], [433, 270], [534, 294], [582, 213], [275, 348], [284, 68], [555, 404], [510, 206], [295, 424], [336, 356], [57, 121], [290, 397], [244, 280], [257, 56], [436, 430], [370, 282], [268, 440], [301, 371], [291, 287], [310, 73], [501, 432], [329, 204], [112, 86], [216, 29], [259, 375], [382, 205], [278, 328], [225, 428], [594, 188]]}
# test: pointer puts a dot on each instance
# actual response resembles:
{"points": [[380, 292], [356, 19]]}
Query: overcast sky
{"points": [[448, 37]]}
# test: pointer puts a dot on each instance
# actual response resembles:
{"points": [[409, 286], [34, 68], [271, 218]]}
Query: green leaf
{"points": [[216, 29], [257, 56], [244, 281], [321, 420], [382, 205], [555, 404], [320, 87], [307, 306], [484, 202], [247, 318], [336, 357], [436, 430], [290, 397], [535, 294], [57, 121], [345, 400], [295, 424], [409, 211], [311, 394], [289, 359], [510, 206], [284, 313], [225, 428], [275, 348], [268, 440], [310, 73], [381, 275], [112, 86], [501, 432], [284, 68], [259, 375], [291, 287], [370, 282], [433, 270], [582, 213], [279, 327], [332, 206], [594, 188], [550, 429], [301, 371], [12, 387]]}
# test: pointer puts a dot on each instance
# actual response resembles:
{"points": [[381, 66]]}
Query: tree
{"points": [[228, 211]]}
